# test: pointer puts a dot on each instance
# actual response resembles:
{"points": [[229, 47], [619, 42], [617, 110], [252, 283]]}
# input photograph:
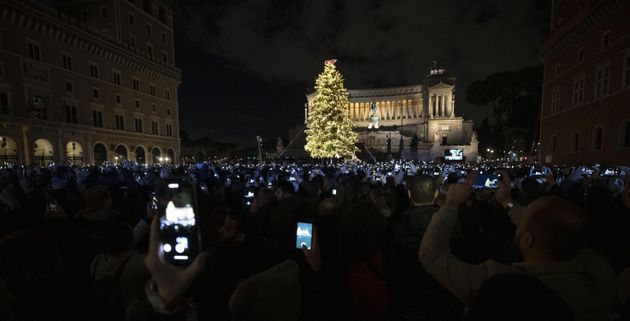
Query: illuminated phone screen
{"points": [[304, 235], [486, 181], [179, 236]]}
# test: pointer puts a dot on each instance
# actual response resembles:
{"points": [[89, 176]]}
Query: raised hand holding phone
{"points": [[171, 281], [504, 193], [312, 254], [460, 192]]}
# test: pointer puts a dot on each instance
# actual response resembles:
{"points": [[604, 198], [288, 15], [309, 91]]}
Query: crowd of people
{"points": [[394, 240]]}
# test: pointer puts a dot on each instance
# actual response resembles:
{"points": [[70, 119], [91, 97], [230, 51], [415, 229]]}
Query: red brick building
{"points": [[585, 116]]}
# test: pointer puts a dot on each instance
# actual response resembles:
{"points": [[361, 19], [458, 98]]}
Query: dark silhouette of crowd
{"points": [[397, 241]]}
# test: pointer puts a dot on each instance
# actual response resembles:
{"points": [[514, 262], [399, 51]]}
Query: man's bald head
{"points": [[552, 228]]}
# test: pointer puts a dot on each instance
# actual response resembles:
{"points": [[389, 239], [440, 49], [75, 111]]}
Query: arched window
{"points": [[575, 141], [554, 143], [625, 134], [597, 138]]}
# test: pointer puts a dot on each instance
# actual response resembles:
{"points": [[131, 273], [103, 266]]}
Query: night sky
{"points": [[247, 64]]}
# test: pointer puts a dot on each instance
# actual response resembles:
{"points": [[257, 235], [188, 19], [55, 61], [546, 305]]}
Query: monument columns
{"points": [[446, 107]]}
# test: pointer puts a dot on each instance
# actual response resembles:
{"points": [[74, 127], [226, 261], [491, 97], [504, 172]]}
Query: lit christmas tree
{"points": [[329, 130]]}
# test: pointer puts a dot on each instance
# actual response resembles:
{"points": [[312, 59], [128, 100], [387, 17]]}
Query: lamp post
{"points": [[259, 142]]}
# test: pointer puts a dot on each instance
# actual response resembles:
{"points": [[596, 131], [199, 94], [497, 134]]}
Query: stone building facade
{"points": [[426, 111], [585, 112], [87, 82]]}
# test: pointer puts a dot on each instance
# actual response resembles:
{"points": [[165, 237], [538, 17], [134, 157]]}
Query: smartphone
{"points": [[334, 191], [179, 233], [539, 171], [304, 235], [611, 172], [487, 181], [248, 199]]}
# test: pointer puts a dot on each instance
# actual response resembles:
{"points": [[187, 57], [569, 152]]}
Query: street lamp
{"points": [[259, 141]]}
